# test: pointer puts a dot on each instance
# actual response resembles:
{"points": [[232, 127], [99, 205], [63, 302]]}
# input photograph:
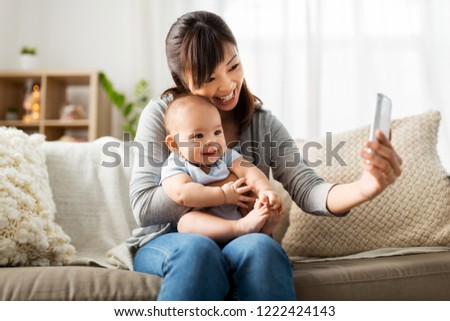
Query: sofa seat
{"points": [[77, 283], [410, 277]]}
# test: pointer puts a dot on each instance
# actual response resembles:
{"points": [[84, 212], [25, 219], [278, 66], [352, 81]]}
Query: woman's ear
{"points": [[171, 143]]}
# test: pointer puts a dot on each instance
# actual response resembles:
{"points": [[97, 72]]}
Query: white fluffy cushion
{"points": [[28, 233], [414, 212]]}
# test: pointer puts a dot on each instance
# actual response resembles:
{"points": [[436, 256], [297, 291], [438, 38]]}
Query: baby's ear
{"points": [[171, 143]]}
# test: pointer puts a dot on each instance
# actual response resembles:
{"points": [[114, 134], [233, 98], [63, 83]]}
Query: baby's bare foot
{"points": [[254, 220], [273, 220]]}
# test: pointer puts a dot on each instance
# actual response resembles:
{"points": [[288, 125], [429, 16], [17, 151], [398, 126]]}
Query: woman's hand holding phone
{"points": [[381, 163]]}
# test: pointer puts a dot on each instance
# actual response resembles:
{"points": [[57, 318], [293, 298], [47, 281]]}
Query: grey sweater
{"points": [[266, 143]]}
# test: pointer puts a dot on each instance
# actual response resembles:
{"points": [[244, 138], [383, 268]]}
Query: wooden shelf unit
{"points": [[56, 89]]}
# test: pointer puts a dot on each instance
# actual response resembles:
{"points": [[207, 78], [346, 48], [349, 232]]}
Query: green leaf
{"points": [[142, 92], [126, 110], [129, 129], [133, 121], [142, 88], [130, 111], [117, 98]]}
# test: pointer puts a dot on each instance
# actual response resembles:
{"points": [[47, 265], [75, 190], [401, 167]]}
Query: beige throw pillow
{"points": [[28, 234], [413, 212]]}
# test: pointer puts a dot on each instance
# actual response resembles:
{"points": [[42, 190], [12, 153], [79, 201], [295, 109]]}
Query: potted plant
{"points": [[28, 57], [12, 113], [130, 110]]}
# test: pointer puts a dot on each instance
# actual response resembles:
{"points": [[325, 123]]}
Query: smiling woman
{"points": [[238, 249]]}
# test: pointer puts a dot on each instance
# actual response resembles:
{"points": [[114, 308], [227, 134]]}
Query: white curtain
{"points": [[318, 64]]}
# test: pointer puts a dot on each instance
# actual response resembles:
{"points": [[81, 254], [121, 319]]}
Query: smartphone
{"points": [[382, 117]]}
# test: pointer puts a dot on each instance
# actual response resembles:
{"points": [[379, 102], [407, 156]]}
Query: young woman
{"points": [[203, 58]]}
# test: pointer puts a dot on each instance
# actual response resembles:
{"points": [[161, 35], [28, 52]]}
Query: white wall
{"points": [[9, 23], [77, 34], [438, 50], [123, 38]]}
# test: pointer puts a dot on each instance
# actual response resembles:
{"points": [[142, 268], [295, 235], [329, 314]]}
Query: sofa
{"points": [[83, 205]]}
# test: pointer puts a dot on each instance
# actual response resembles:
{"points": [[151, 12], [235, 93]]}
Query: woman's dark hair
{"points": [[195, 45]]}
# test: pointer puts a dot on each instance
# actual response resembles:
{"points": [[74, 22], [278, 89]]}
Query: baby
{"points": [[200, 157]]}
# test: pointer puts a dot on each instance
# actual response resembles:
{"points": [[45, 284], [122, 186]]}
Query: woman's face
{"points": [[223, 87]]}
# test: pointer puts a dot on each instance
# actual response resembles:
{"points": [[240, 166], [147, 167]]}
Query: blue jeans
{"points": [[193, 267]]}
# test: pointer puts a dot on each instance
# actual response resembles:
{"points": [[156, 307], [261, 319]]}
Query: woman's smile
{"points": [[226, 99]]}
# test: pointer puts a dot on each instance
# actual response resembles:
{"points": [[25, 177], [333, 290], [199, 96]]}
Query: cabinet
{"points": [[56, 90]]}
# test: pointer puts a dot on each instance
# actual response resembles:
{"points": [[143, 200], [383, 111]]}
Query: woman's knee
{"points": [[198, 252], [177, 250], [192, 266], [257, 250], [260, 267], [195, 245], [257, 244]]}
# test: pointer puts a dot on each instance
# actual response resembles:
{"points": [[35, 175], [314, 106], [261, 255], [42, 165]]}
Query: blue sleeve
{"points": [[172, 166], [230, 156]]}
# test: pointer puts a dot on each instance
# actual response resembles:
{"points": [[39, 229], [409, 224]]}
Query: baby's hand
{"points": [[272, 200], [233, 193]]}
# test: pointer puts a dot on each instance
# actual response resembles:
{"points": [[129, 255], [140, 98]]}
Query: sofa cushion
{"points": [[408, 277], [90, 184], [28, 233], [413, 212], [76, 283]]}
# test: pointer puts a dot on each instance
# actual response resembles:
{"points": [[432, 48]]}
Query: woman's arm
{"points": [[307, 189], [271, 147], [381, 167], [149, 202]]}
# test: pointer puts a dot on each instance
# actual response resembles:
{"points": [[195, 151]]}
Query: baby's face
{"points": [[201, 139]]}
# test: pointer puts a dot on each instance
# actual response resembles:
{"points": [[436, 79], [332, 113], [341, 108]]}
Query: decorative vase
{"points": [[27, 61], [11, 115]]}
